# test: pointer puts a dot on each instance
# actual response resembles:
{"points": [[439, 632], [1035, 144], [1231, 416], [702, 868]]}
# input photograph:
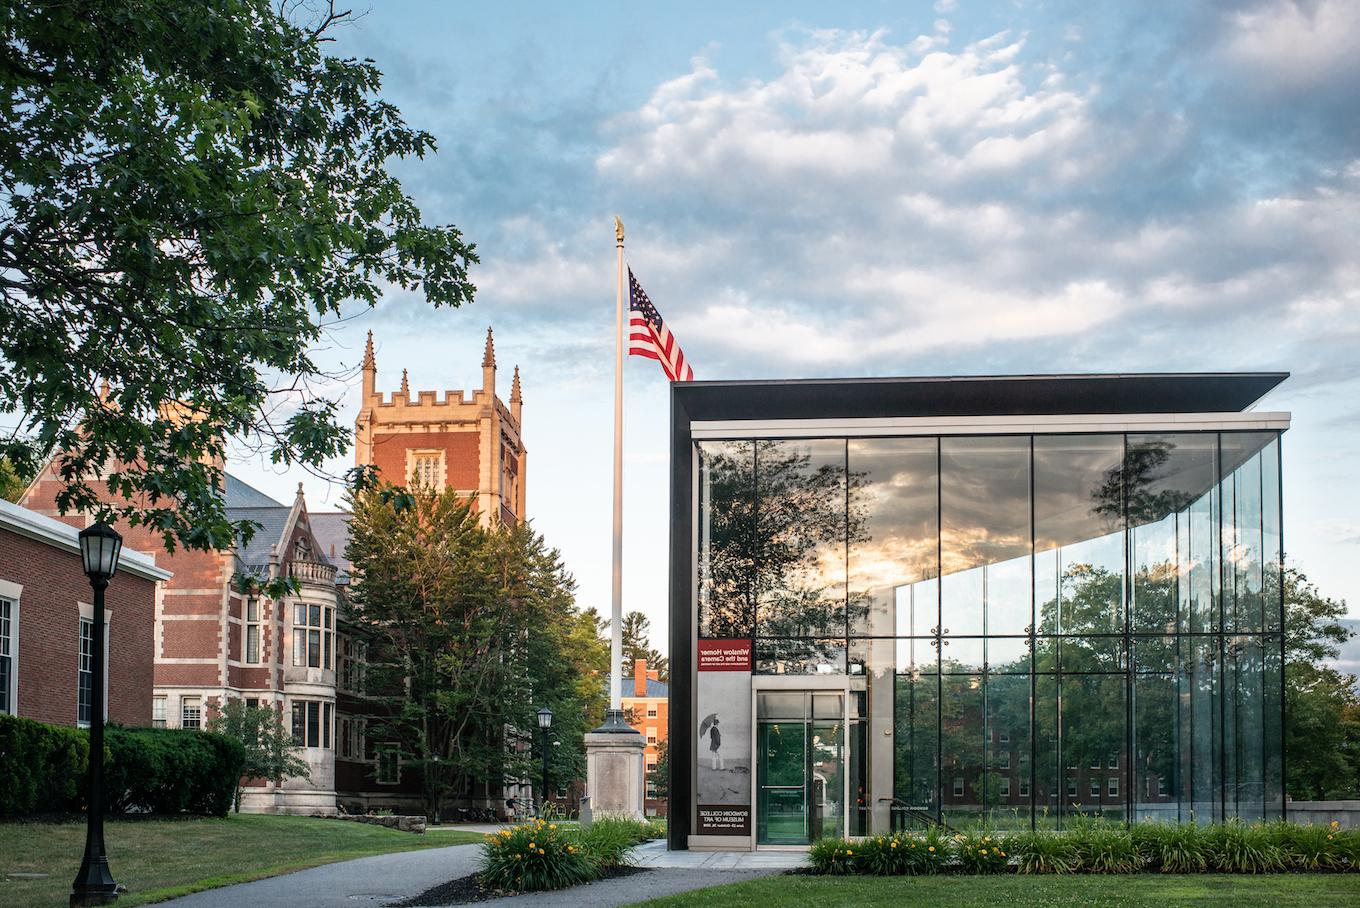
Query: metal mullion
{"points": [[1221, 674], [939, 631], [1129, 742], [1033, 647]]}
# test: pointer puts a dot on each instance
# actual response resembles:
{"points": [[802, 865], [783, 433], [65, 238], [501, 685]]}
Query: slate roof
{"points": [[332, 535], [242, 495], [654, 688]]}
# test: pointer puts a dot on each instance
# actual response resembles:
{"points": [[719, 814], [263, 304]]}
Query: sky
{"points": [[868, 189]]}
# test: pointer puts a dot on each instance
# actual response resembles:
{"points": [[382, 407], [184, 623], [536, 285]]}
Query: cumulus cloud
{"points": [[882, 202]]}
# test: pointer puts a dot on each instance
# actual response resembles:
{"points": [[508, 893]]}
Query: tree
{"points": [[471, 630], [12, 485], [660, 773], [1322, 708], [637, 645], [270, 753], [190, 191]]}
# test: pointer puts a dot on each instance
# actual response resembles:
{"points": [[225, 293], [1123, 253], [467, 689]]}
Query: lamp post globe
{"points": [[545, 717], [100, 548]]}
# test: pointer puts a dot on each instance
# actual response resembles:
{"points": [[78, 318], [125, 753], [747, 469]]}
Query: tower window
{"points": [[426, 469]]}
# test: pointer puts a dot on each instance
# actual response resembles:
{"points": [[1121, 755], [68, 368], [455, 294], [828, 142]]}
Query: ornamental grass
{"points": [[1095, 846]]}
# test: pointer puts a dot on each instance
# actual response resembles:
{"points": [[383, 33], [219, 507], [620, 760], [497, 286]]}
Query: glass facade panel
{"points": [[985, 535], [894, 497], [801, 529], [727, 539], [1031, 628]]}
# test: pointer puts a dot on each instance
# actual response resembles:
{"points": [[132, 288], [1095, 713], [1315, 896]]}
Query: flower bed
{"points": [[542, 854], [1096, 847]]}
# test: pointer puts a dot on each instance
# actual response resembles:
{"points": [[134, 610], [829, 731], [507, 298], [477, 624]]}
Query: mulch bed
{"points": [[468, 889]]}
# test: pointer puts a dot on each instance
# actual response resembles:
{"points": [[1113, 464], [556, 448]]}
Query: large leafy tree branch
{"points": [[191, 193]]}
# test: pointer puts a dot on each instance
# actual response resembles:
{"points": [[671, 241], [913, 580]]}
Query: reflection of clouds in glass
{"points": [[1074, 479], [984, 501]]}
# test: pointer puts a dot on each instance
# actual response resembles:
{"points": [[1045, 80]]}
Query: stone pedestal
{"points": [[615, 769]]}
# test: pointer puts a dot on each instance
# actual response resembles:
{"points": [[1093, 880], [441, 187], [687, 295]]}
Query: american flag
{"points": [[649, 336]]}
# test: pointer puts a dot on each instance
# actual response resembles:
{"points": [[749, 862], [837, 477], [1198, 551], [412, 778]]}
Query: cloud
{"points": [[879, 203]]}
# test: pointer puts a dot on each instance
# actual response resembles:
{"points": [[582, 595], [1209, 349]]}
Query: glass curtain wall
{"points": [[1033, 628]]}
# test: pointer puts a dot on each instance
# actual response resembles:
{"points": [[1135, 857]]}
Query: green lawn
{"points": [[159, 859], [1136, 891]]}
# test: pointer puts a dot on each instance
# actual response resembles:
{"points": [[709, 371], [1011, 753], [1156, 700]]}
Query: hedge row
{"points": [[146, 770], [1096, 847]]}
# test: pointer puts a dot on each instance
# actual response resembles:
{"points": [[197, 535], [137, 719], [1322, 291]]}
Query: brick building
{"points": [[212, 642], [468, 443], [647, 711], [46, 628]]}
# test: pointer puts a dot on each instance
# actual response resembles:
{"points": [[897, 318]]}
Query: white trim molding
{"points": [[35, 526], [990, 425]]}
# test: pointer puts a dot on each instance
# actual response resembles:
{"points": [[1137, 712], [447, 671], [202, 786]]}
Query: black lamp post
{"points": [[100, 546], [544, 724]]}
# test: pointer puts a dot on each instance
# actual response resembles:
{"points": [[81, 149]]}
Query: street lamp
{"points": [[544, 724], [100, 546]]}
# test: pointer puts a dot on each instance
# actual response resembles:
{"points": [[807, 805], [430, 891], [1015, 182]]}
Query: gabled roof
{"points": [[242, 495], [21, 520]]}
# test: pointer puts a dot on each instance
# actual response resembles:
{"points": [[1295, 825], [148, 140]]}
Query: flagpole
{"points": [[616, 604]]}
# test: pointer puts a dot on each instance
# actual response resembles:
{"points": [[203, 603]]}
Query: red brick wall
{"points": [[460, 458], [49, 633]]}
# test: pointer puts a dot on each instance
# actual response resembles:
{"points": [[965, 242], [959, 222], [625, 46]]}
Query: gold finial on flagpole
{"points": [[618, 230]]}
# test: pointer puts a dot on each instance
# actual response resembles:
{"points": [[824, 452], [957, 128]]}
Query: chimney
{"points": [[639, 677]]}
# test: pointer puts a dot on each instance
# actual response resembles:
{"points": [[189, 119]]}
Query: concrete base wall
{"points": [[281, 800], [1321, 813]]}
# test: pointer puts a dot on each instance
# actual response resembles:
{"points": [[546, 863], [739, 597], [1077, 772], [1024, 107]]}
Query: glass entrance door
{"points": [[783, 794], [800, 767]]}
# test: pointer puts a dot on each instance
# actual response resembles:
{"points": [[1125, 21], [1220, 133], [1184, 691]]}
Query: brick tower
{"points": [[469, 444]]}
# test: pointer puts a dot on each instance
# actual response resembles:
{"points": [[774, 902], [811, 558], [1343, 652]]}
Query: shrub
{"points": [[1046, 852], [535, 856], [832, 857], [1311, 848], [887, 855], [146, 770], [42, 767], [981, 852], [171, 770]]}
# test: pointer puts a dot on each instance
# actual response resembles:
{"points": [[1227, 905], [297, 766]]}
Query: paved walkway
{"points": [[387, 878]]}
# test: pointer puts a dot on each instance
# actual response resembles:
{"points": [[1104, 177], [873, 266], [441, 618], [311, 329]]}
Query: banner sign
{"points": [[723, 754]]}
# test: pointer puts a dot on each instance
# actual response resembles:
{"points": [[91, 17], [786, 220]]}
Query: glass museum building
{"points": [[1015, 600]]}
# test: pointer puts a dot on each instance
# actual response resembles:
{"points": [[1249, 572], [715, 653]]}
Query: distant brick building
{"points": [[213, 642], [46, 629], [648, 711], [469, 444]]}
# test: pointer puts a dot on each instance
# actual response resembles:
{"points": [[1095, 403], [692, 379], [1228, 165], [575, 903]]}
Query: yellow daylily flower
{"points": [[931, 848]]}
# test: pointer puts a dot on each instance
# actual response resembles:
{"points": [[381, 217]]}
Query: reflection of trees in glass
{"points": [[772, 512], [916, 734], [1090, 594], [1136, 480]]}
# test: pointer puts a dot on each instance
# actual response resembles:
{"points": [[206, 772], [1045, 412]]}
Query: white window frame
{"points": [[958, 786], [439, 467], [159, 705], [185, 701], [651, 711], [1004, 761], [1005, 790], [250, 630], [1024, 787], [1095, 788], [87, 615], [9, 596], [304, 628], [1112, 787]]}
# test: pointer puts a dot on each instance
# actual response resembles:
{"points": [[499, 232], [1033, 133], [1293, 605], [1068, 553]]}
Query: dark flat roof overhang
{"points": [[982, 395]]}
